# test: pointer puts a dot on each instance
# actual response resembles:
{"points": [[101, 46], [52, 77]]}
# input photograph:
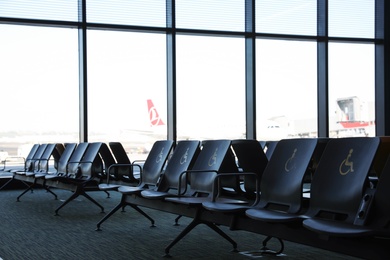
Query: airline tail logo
{"points": [[154, 117]]}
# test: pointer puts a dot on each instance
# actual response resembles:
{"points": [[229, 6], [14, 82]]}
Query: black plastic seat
{"points": [[86, 174], [8, 172], [108, 162], [41, 166], [57, 153], [26, 161], [368, 214], [300, 151], [62, 163], [337, 185], [251, 159], [152, 168], [82, 174], [182, 160], [214, 158], [281, 181], [122, 171], [150, 175], [68, 162], [270, 148], [262, 144], [33, 164], [61, 154]]}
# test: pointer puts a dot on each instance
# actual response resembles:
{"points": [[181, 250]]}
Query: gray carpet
{"points": [[29, 230]]}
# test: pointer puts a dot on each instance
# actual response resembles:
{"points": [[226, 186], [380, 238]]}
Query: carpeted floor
{"points": [[29, 230]]}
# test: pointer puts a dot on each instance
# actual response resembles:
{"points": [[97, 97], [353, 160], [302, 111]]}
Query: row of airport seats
{"points": [[232, 183], [79, 168], [327, 193]]}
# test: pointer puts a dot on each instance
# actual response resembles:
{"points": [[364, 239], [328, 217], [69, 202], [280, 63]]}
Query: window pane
{"points": [[351, 89], [211, 14], [135, 12], [62, 10], [124, 71], [39, 86], [210, 87], [352, 18], [286, 17], [286, 89]]}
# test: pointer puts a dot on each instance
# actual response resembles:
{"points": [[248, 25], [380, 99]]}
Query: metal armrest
{"points": [[117, 165], [186, 179], [9, 158], [217, 184]]}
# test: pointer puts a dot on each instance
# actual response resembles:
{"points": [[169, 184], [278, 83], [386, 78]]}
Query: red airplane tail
{"points": [[154, 117]]}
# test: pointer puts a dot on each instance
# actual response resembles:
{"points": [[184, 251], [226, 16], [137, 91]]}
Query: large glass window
{"points": [[286, 89], [135, 12], [125, 70], [286, 17], [210, 87], [351, 89], [59, 10], [39, 87], [352, 18], [211, 14]]}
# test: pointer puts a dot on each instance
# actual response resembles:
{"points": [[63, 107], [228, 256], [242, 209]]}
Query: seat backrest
{"points": [[77, 155], [212, 157], [65, 158], [270, 148], [315, 159], [119, 153], [107, 157], [282, 181], [57, 153], [34, 162], [155, 162], [28, 163], [251, 158], [182, 159], [91, 165], [123, 173], [341, 176], [380, 210], [381, 156], [43, 162], [231, 185]]}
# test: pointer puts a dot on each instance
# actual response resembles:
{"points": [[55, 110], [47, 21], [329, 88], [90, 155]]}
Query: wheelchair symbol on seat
{"points": [[159, 156], [346, 165], [184, 158], [290, 163], [213, 158]]}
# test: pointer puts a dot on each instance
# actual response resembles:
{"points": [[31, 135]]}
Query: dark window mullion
{"points": [[83, 86], [382, 64], [171, 70], [322, 69], [250, 69]]}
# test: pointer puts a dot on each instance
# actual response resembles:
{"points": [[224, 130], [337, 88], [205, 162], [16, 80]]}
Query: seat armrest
{"points": [[217, 187], [12, 158], [180, 193], [117, 165]]}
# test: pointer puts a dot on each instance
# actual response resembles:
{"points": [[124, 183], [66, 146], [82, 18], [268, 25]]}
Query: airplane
{"points": [[154, 117], [138, 142]]}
